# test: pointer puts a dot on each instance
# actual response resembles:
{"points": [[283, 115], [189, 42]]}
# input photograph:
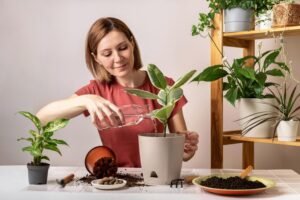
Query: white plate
{"points": [[96, 184]]}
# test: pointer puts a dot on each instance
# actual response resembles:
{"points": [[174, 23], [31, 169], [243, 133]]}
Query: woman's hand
{"points": [[190, 144], [103, 113]]}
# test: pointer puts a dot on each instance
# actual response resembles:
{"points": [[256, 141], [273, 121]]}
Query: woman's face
{"points": [[115, 54]]}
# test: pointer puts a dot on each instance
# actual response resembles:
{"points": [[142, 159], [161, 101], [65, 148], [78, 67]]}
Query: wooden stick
{"points": [[246, 171]]}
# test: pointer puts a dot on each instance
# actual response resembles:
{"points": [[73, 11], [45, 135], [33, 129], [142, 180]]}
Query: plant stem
{"points": [[165, 129], [215, 45]]}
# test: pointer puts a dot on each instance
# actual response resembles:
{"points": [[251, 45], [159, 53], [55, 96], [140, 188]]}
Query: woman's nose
{"points": [[118, 57]]}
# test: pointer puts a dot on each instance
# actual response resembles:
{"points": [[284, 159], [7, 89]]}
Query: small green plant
{"points": [[244, 80], [167, 95], [42, 138], [206, 19], [286, 109]]}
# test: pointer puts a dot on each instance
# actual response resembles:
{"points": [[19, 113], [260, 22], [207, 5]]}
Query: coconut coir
{"points": [[231, 183]]}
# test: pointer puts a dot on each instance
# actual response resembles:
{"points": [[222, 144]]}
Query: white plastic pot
{"points": [[249, 106], [161, 157], [287, 130]]}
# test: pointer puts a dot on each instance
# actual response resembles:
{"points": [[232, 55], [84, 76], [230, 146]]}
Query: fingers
{"points": [[191, 143], [110, 114]]}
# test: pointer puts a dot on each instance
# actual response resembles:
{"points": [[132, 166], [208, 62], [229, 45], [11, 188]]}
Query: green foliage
{"points": [[286, 108], [167, 95], [244, 80], [205, 20], [41, 138]]}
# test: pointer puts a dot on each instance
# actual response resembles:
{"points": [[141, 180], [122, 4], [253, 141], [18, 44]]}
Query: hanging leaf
{"points": [[156, 77], [33, 118]]}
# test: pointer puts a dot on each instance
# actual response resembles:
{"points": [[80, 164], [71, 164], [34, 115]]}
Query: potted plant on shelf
{"points": [[239, 15], [286, 13], [246, 83], [285, 118], [161, 153], [41, 139]]}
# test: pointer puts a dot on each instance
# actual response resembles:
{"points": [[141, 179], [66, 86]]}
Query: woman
{"points": [[113, 57]]}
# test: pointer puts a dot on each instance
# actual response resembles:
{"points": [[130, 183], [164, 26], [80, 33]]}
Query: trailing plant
{"points": [[167, 95], [205, 20], [286, 109], [246, 80], [41, 138]]}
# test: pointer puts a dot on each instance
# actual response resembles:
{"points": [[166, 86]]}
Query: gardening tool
{"points": [[63, 182]]}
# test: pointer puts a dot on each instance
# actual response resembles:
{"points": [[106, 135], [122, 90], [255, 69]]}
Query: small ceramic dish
{"points": [[96, 184], [267, 182]]}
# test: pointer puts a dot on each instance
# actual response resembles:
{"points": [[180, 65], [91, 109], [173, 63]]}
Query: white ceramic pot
{"points": [[287, 130], [249, 106], [238, 19], [161, 157], [264, 21]]}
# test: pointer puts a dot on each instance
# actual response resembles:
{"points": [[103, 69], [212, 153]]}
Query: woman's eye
{"points": [[123, 47], [106, 54]]}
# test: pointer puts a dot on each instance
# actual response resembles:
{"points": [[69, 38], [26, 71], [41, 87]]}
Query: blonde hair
{"points": [[98, 30]]}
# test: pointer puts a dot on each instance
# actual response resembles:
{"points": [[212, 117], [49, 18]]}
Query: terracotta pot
{"points": [[95, 154]]}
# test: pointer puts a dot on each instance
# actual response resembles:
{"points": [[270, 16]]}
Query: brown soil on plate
{"points": [[132, 180], [231, 183]]}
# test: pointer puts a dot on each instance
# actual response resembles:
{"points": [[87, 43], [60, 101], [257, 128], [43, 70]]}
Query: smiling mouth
{"points": [[119, 67]]}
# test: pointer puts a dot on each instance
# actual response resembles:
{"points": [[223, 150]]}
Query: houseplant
{"points": [[41, 139], [244, 80], [216, 6], [161, 153], [246, 83], [286, 13], [285, 118]]}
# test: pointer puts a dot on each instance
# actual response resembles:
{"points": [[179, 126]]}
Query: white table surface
{"points": [[14, 185]]}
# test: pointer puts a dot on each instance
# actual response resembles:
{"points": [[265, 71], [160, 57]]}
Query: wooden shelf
{"points": [[246, 41], [240, 138], [263, 34]]}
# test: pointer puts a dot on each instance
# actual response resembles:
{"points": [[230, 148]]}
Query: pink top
{"points": [[124, 141]]}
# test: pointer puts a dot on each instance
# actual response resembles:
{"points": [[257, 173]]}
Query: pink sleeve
{"points": [[180, 103]]}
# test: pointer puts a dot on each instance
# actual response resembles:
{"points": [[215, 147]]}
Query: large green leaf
{"points": [[175, 95], [55, 125], [162, 97], [156, 77], [261, 79], [283, 66], [33, 118], [141, 93], [181, 81], [275, 72], [211, 74], [56, 141], [164, 113], [53, 148], [271, 58], [231, 95], [247, 72]]}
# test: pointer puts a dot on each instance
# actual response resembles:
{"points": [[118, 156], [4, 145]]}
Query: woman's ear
{"points": [[95, 58]]}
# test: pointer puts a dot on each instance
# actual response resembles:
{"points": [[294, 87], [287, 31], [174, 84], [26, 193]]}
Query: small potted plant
{"points": [[161, 153], [41, 139], [239, 15], [246, 83], [285, 118]]}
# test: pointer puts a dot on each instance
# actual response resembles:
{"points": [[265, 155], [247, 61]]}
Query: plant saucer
{"points": [[96, 184]]}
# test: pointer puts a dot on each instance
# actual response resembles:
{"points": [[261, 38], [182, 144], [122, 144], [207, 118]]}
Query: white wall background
{"points": [[42, 60]]}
